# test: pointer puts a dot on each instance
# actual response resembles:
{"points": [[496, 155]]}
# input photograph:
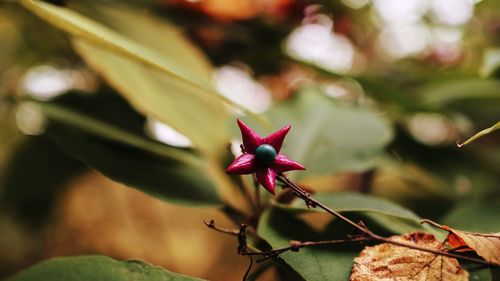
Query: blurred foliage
{"points": [[97, 267], [327, 263], [324, 129], [117, 146], [385, 124], [29, 185]]}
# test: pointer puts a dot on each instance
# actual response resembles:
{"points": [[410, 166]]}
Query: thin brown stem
{"points": [[330, 242], [248, 269], [258, 203], [433, 223], [431, 250], [212, 225], [295, 246], [312, 203]]}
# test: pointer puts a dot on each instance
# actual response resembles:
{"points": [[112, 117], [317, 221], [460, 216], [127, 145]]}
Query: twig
{"points": [[312, 203], [212, 225], [259, 271], [433, 223], [258, 203], [295, 246], [248, 269]]}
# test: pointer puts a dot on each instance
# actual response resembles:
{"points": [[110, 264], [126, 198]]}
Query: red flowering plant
{"points": [[156, 122], [262, 156]]}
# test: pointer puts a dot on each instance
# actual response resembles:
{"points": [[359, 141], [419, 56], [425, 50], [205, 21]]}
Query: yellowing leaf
{"points": [[390, 262], [481, 134], [152, 66], [486, 246], [81, 27]]}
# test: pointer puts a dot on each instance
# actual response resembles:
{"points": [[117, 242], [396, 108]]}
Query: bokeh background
{"points": [[430, 66]]}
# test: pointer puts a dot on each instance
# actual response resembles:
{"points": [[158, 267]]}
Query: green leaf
{"points": [[390, 95], [386, 213], [321, 263], [446, 92], [357, 202], [481, 134], [104, 132], [478, 216], [475, 98], [329, 137], [29, 187], [491, 63], [154, 68], [281, 224], [96, 268]]}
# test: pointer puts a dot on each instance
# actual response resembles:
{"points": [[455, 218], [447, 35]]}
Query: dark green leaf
{"points": [[33, 178], [97, 268], [106, 133], [321, 263], [357, 202]]}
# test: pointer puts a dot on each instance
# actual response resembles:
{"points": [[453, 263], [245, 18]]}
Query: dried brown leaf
{"points": [[486, 246], [386, 262]]}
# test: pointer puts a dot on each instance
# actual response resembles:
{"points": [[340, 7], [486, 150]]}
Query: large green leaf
{"points": [[329, 137], [386, 213], [357, 202], [96, 268], [151, 65], [332, 263], [104, 132]]}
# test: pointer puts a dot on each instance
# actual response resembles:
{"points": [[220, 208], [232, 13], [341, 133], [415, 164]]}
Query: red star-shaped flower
{"points": [[261, 156]]}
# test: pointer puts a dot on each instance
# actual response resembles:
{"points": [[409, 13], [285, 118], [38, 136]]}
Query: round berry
{"points": [[265, 154]]}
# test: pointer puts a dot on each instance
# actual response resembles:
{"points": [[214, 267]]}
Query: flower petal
{"points": [[244, 164], [267, 177], [282, 164], [251, 140], [276, 139]]}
